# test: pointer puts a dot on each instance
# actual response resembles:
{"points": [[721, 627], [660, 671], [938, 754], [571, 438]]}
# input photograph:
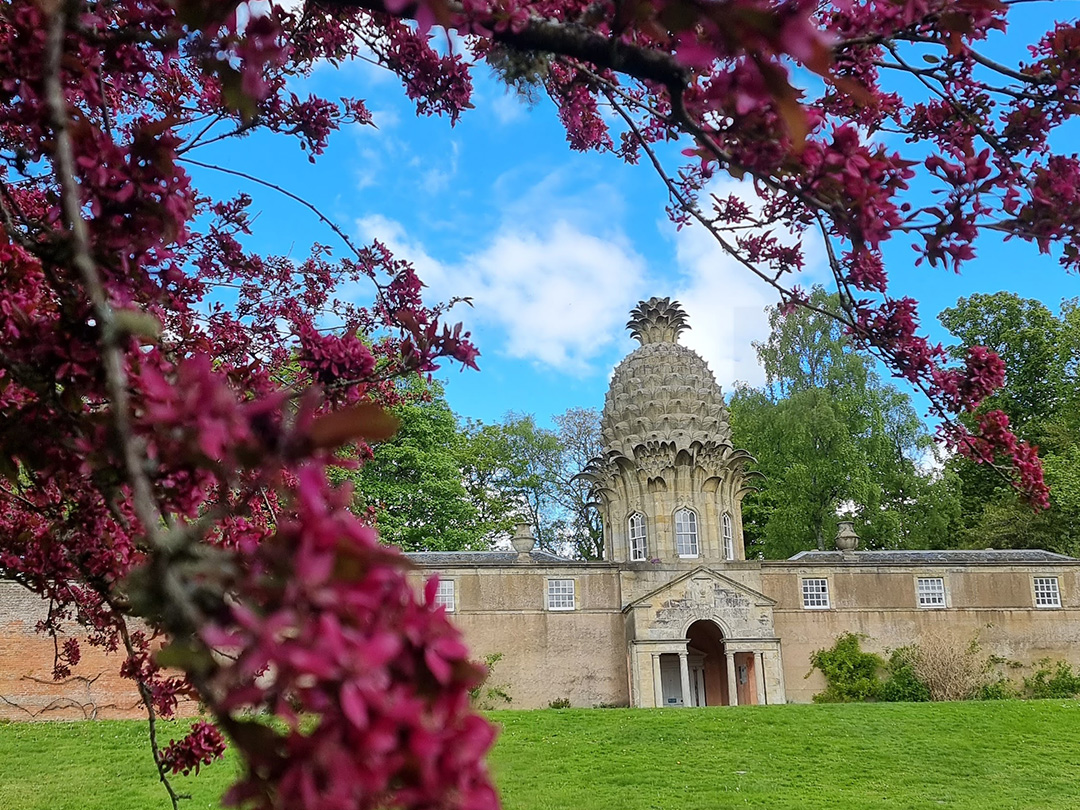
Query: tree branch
{"points": [[112, 352], [566, 39]]}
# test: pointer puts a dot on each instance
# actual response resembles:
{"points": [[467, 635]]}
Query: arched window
{"points": [[686, 540], [638, 543], [728, 537]]}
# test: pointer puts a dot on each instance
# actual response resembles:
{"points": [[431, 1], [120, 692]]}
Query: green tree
{"points": [[828, 435], [579, 435], [510, 469], [516, 470], [1041, 352], [1041, 397], [414, 482]]}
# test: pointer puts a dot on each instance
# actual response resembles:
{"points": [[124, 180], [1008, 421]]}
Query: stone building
{"points": [[675, 615]]}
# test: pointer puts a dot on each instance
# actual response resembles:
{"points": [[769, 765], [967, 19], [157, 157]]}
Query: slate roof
{"points": [[950, 557], [450, 558]]}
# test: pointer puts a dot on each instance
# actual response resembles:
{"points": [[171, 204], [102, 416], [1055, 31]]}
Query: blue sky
{"points": [[553, 246]]}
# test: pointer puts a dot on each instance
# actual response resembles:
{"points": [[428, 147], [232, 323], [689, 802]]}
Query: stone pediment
{"points": [[704, 586], [666, 612]]}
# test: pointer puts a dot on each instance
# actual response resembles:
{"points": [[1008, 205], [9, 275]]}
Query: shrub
{"points": [[559, 703], [950, 669], [1062, 682], [851, 675], [902, 684], [1000, 689]]}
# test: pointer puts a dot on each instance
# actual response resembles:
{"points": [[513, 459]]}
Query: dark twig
{"points": [[151, 716], [295, 197]]}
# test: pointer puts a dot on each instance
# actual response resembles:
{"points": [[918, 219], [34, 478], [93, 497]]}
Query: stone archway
{"points": [[709, 678], [703, 639]]}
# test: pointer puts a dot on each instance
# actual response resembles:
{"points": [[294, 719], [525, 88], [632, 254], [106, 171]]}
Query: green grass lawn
{"points": [[1008, 754]]}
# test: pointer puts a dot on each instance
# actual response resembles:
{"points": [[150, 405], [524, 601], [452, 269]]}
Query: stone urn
{"points": [[846, 539], [523, 540]]}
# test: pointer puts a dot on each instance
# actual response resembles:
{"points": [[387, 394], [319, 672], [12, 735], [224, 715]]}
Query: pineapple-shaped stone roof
{"points": [[662, 394]]}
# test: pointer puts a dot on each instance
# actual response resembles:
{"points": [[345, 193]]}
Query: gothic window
{"points": [[728, 537], [686, 537], [638, 545]]}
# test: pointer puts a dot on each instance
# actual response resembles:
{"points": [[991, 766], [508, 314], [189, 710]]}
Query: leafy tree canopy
{"points": [[1041, 397], [440, 484], [520, 471], [830, 436], [414, 483]]}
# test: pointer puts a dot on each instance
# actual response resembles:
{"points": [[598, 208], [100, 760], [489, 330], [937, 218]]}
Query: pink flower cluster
{"points": [[201, 746], [207, 399], [371, 681]]}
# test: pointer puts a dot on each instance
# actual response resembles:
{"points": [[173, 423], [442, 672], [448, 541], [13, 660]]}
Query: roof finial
{"points": [[658, 320]]}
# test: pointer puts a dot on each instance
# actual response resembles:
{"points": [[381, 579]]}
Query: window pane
{"points": [[931, 591], [637, 537], [1046, 592], [560, 594], [686, 539], [729, 540], [815, 594], [445, 594]]}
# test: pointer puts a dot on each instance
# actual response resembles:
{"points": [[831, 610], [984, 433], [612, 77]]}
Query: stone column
{"points": [[759, 668], [658, 687], [684, 677], [778, 658], [732, 683]]}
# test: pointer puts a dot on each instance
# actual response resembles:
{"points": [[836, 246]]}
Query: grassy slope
{"points": [[103, 765], [960, 755], [972, 755]]}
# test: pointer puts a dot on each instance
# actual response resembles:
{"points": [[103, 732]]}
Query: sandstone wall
{"points": [[994, 604], [577, 655]]}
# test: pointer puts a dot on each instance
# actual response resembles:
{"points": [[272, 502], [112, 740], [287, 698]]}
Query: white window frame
{"points": [[639, 539], [815, 593], [1046, 592], [930, 593], [561, 594], [690, 532], [446, 595], [728, 536]]}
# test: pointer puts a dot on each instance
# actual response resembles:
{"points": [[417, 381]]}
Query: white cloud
{"points": [[725, 302], [438, 177], [367, 173], [561, 295], [553, 285], [726, 308], [508, 107], [552, 294]]}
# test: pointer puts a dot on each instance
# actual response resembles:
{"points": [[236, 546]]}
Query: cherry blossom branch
{"points": [[693, 209], [112, 335], [957, 108], [538, 34], [151, 717]]}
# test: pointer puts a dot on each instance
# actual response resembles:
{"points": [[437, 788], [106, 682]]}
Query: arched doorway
{"points": [[708, 666]]}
